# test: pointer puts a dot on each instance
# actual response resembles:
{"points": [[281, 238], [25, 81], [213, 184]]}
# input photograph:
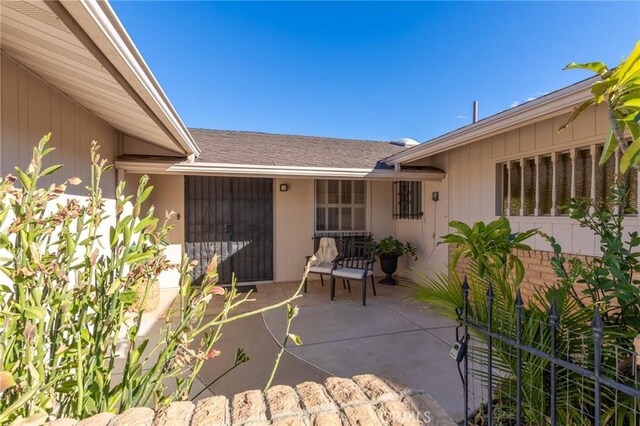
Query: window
{"points": [[340, 205], [544, 184], [407, 200]]}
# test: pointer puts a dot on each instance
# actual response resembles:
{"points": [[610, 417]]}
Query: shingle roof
{"points": [[267, 149]]}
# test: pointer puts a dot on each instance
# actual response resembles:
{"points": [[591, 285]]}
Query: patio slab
{"points": [[389, 337]]}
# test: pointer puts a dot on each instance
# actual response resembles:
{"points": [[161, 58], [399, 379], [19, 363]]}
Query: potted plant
{"points": [[388, 251]]}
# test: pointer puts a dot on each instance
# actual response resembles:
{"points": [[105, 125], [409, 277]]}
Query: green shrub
{"points": [[489, 253], [67, 296], [390, 246]]}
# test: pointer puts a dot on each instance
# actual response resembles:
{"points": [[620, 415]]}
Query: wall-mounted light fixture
{"points": [[284, 187], [435, 196]]}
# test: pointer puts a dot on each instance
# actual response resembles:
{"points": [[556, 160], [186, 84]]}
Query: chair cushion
{"points": [[323, 268], [351, 273]]}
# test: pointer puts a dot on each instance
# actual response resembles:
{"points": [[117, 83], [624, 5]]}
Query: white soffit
{"points": [[46, 38], [217, 169]]}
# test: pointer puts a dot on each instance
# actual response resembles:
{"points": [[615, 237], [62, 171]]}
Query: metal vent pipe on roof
{"points": [[475, 111]]}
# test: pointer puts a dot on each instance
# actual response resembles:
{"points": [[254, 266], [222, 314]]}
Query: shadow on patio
{"points": [[389, 337]]}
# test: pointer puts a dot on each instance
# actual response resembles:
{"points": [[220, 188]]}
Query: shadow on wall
{"points": [[204, 251]]}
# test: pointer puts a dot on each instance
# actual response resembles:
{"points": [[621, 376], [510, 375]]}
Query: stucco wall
{"points": [[30, 109]]}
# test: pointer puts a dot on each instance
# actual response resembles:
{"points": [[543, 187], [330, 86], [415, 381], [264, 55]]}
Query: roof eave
{"points": [[559, 101], [276, 171], [100, 22]]}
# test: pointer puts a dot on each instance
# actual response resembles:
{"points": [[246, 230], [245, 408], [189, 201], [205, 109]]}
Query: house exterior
{"points": [[520, 154], [69, 67], [258, 199]]}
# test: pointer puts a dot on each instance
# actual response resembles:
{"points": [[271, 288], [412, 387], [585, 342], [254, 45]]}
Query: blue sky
{"points": [[368, 70]]}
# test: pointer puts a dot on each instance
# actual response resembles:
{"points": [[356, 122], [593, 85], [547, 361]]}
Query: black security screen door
{"points": [[232, 217]]}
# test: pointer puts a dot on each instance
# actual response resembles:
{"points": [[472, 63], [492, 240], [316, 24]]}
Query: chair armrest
{"points": [[338, 261]]}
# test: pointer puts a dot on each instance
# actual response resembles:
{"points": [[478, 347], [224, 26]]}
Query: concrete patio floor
{"points": [[388, 337]]}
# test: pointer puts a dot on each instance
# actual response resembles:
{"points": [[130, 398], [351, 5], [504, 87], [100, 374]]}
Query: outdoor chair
{"points": [[326, 266], [356, 264]]}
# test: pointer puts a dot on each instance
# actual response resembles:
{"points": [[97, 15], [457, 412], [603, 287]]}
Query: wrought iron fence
{"points": [[518, 370]]}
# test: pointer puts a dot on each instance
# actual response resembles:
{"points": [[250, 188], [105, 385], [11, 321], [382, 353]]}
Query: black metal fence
{"points": [[518, 370]]}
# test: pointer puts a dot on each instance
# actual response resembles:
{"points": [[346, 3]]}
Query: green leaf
{"points": [[115, 285], [24, 178], [145, 194], [630, 158], [137, 257], [632, 103], [50, 170], [628, 64], [4, 240], [295, 338], [609, 148], [144, 223], [597, 67], [576, 112], [35, 313]]}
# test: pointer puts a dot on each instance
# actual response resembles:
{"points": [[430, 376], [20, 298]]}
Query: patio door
{"points": [[231, 217]]}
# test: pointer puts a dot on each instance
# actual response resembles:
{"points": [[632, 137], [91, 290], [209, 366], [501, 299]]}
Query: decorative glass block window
{"points": [[544, 184], [582, 174], [340, 205], [407, 202], [632, 185], [516, 188], [563, 183], [529, 180], [505, 190], [605, 178]]}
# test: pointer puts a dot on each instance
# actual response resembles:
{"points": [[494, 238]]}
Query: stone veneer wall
{"points": [[363, 400], [538, 270]]}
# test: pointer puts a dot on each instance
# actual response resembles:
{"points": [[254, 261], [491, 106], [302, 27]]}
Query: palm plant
{"points": [[489, 253]]}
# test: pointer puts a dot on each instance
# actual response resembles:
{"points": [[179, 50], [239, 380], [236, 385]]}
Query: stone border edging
{"points": [[364, 400]]}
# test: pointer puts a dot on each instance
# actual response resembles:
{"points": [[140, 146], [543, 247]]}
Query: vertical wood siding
{"points": [[294, 212], [471, 176], [30, 109]]}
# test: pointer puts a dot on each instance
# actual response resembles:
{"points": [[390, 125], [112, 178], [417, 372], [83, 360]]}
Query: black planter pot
{"points": [[388, 264]]}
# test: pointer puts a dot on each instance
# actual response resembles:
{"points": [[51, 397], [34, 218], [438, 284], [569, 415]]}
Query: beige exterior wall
{"points": [[468, 193], [167, 196], [294, 215], [32, 108], [294, 218], [425, 232], [293, 227]]}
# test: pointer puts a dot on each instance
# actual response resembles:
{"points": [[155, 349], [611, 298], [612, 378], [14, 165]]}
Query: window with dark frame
{"points": [[407, 200]]}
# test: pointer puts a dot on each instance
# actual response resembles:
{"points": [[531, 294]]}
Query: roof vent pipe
{"points": [[475, 111]]}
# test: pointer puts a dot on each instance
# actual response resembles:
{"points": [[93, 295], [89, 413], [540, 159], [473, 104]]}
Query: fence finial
{"points": [[553, 312], [596, 324], [465, 283], [519, 302], [490, 291]]}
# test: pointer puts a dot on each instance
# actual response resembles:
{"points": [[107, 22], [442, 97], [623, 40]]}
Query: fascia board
{"points": [[101, 24], [274, 171], [556, 103]]}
